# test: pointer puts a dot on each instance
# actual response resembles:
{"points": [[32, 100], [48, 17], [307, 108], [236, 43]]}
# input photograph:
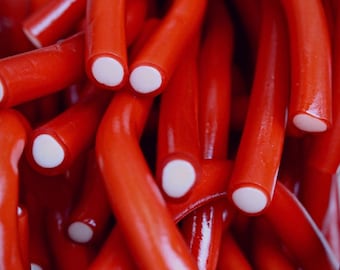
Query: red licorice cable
{"points": [[88, 221], [151, 70], [54, 146], [106, 48], [145, 218], [258, 156], [178, 146], [310, 107], [53, 21], [298, 232], [29, 75], [215, 58], [327, 144], [13, 134]]}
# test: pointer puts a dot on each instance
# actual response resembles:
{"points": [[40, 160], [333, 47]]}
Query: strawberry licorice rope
{"points": [[178, 149], [151, 70], [257, 161], [13, 134], [29, 75], [53, 21], [310, 107], [55, 145], [119, 153]]}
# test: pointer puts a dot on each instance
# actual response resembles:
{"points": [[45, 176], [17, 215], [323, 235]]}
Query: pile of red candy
{"points": [[146, 134]]}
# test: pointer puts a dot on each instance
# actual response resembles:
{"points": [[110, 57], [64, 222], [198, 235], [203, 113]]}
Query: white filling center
{"points": [[309, 123], [80, 232], [178, 177], [145, 79], [47, 152], [107, 71], [35, 267], [250, 200]]}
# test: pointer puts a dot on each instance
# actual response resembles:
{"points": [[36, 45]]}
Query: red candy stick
{"points": [[215, 81], [134, 196], [40, 72], [327, 144], [258, 157], [13, 132], [54, 146], [156, 62], [106, 47], [310, 106], [178, 149], [89, 219], [298, 232], [53, 21]]}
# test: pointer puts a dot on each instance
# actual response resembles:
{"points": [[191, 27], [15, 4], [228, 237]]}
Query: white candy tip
{"points": [[80, 232], [47, 152], [250, 200], [178, 177], [107, 71], [308, 123], [145, 79], [35, 267]]}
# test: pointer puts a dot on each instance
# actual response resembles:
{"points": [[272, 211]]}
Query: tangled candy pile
{"points": [[147, 134]]}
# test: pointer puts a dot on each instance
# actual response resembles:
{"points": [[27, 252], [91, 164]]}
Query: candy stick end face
{"points": [[308, 123], [47, 152], [178, 177], [107, 71], [35, 267], [250, 200], [145, 79], [80, 232]]}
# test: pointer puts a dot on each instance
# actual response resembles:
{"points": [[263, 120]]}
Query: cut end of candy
{"points": [[47, 152], [145, 79], [34, 266], [178, 177], [107, 71], [32, 38], [80, 232], [249, 199], [309, 123]]}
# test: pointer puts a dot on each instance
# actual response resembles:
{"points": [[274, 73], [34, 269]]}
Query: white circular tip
{"points": [[80, 232], [47, 152], [250, 200], [107, 71], [35, 266], [178, 177], [145, 79], [308, 123]]}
